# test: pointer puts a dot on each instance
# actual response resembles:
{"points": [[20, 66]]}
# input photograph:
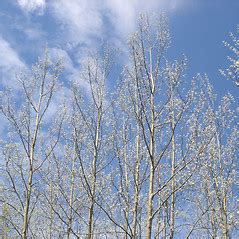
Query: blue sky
{"points": [[72, 28]]}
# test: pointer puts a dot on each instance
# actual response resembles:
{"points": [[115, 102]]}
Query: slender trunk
{"points": [[226, 230], [51, 211], [172, 212], [136, 197], [151, 153], [71, 198], [27, 204], [5, 226], [214, 233], [159, 223], [94, 171], [150, 203], [126, 187], [29, 183], [224, 196], [165, 219], [91, 210], [137, 174]]}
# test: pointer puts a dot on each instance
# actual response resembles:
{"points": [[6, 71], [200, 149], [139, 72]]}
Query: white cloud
{"points": [[72, 74], [83, 25], [32, 5], [71, 70], [10, 64], [80, 20], [33, 33], [124, 14], [85, 22]]}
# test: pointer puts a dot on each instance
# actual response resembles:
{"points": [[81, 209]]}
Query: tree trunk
{"points": [[172, 213], [151, 153], [136, 196], [30, 176], [94, 171]]}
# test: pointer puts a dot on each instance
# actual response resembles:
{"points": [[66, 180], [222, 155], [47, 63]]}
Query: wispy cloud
{"points": [[10, 63], [32, 5], [85, 23], [81, 26], [80, 20], [124, 14], [71, 70]]}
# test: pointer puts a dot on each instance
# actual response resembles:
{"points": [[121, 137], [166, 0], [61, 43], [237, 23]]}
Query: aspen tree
{"points": [[27, 147]]}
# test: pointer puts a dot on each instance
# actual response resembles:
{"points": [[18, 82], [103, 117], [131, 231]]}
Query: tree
{"points": [[231, 72], [215, 204], [151, 98], [92, 140], [154, 158], [28, 146]]}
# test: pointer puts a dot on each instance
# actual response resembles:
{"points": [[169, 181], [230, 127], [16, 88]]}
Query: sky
{"points": [[73, 28]]}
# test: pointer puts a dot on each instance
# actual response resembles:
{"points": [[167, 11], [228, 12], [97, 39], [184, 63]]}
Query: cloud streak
{"points": [[10, 63], [32, 5], [80, 20], [87, 23], [84, 20], [82, 26]]}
